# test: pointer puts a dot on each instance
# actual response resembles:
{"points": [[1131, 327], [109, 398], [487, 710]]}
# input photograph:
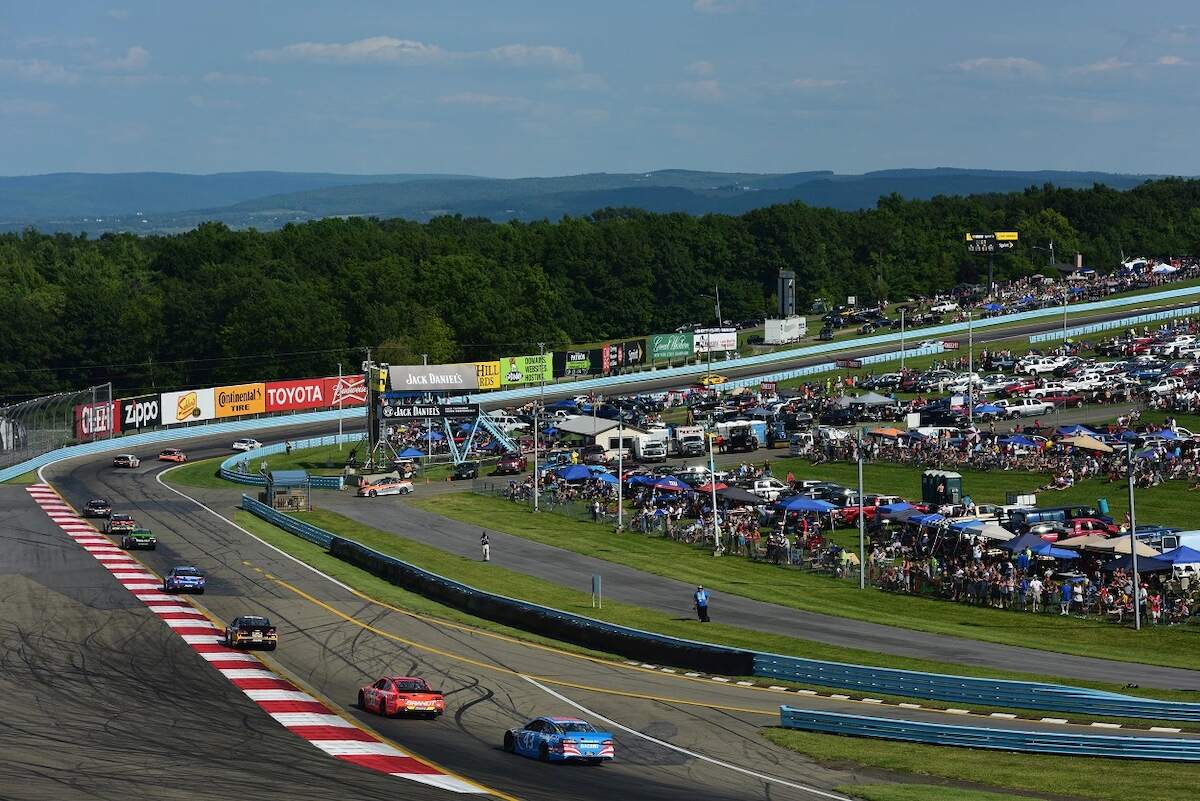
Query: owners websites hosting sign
{"points": [[527, 369], [433, 377]]}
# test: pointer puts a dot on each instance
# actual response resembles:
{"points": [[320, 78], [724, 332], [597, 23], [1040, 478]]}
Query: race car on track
{"points": [[172, 455], [396, 695], [126, 460], [184, 579], [711, 380], [97, 507], [560, 740], [251, 630], [139, 538], [246, 444], [388, 485], [119, 523]]}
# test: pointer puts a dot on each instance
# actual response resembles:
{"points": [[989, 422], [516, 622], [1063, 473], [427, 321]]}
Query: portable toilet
{"points": [[941, 487]]}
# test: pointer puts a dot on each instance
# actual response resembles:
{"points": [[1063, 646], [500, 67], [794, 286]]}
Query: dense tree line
{"points": [[217, 305]]}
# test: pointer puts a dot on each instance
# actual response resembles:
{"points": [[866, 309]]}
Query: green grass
{"points": [[201, 474], [807, 591], [1069, 777], [25, 478], [923, 792]]}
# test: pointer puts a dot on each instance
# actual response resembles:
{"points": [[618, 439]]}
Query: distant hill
{"points": [[167, 202]]}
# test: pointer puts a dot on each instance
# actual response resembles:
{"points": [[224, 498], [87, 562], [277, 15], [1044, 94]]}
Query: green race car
{"points": [[138, 538]]}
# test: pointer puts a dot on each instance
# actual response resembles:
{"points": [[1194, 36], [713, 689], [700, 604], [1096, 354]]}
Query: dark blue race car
{"points": [[560, 740], [184, 579]]}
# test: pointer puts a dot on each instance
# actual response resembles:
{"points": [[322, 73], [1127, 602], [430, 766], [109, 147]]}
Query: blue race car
{"points": [[184, 579], [560, 740]]}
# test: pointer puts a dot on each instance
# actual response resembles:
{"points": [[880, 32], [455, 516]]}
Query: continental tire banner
{"points": [[188, 406], [433, 377], [144, 411], [240, 399], [671, 346], [488, 374], [576, 362], [526, 369], [95, 420]]}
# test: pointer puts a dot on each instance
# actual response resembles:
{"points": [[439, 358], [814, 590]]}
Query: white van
{"points": [[649, 450], [506, 422]]}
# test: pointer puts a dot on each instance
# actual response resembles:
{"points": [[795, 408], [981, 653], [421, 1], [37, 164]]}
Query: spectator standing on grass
{"points": [[485, 545], [700, 599], [1064, 604], [1035, 593]]}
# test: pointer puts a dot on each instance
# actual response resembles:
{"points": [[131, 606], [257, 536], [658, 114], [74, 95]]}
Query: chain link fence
{"points": [[33, 427]]}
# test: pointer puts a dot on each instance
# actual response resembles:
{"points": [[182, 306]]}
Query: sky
{"points": [[519, 88]]}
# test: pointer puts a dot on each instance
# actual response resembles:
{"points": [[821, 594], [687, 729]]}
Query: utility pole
{"points": [[620, 473], [712, 484], [901, 339], [1133, 556], [537, 425], [970, 370], [862, 523], [339, 404]]}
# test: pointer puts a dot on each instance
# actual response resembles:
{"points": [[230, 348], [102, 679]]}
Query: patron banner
{"points": [[527, 369], [576, 362], [95, 420], [188, 406], [433, 377], [144, 411], [240, 399], [488, 374], [671, 346]]}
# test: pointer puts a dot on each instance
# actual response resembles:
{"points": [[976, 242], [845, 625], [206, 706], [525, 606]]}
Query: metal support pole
{"points": [[1137, 590], [712, 483], [338, 392], [862, 523], [991, 282], [901, 340], [537, 425], [970, 370], [620, 473]]}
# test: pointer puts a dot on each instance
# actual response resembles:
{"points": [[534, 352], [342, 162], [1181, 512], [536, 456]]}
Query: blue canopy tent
{"points": [[641, 481], [1070, 431], [993, 307], [1183, 555], [989, 408], [803, 504], [608, 478], [1165, 434], [562, 404], [434, 436], [1146, 564], [549, 432], [931, 519], [575, 472], [410, 453], [671, 484], [1019, 440], [1031, 541]]}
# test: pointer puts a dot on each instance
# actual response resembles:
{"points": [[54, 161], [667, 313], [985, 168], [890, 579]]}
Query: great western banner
{"points": [[671, 346]]}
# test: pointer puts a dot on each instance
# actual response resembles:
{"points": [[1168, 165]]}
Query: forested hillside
{"points": [[219, 305]]}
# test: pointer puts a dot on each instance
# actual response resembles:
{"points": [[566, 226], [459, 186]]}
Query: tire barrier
{"points": [[970, 689], [1170, 749]]}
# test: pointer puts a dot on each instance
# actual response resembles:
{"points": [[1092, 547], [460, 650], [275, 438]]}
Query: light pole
{"points": [[1137, 590], [620, 473], [902, 339], [712, 484], [970, 370], [537, 424], [862, 525]]}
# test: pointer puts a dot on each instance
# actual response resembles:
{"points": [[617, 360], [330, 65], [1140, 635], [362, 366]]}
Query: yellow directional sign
{"points": [[1006, 236]]}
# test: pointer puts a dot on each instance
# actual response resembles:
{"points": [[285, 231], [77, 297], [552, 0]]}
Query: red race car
{"points": [[395, 695]]}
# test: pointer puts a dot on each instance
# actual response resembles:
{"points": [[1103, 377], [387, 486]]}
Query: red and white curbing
{"points": [[295, 710]]}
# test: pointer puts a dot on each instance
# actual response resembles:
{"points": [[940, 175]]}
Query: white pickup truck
{"points": [[1040, 365], [769, 489], [1025, 407]]}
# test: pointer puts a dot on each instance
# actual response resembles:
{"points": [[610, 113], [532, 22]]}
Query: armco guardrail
{"points": [[827, 367], [970, 689], [228, 469], [514, 612], [1169, 749], [1110, 325], [721, 659], [133, 441]]}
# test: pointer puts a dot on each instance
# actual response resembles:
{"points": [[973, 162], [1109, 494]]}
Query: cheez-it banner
{"points": [[240, 399]]}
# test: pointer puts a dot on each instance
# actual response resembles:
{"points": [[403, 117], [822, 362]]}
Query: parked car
{"points": [[388, 485], [464, 471], [511, 464]]}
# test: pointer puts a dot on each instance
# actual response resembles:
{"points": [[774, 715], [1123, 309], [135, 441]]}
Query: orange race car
{"points": [[394, 695], [172, 455]]}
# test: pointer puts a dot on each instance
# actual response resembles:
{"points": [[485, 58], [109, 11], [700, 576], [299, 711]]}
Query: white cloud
{"points": [[1110, 64], [135, 58], [701, 68], [484, 100], [535, 55], [1009, 66], [20, 107], [706, 91], [36, 70], [816, 83], [234, 79], [1172, 61], [390, 50], [580, 82], [376, 49]]}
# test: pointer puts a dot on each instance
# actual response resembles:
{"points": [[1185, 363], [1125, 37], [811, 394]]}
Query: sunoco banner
{"points": [[240, 399], [527, 369], [433, 378], [671, 346]]}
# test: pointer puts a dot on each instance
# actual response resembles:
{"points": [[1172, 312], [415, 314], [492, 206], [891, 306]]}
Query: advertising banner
{"points": [[399, 410], [634, 352], [716, 340], [240, 399], [188, 406], [526, 369], [144, 411], [346, 390], [94, 420], [577, 362], [671, 346], [488, 374], [433, 377], [304, 393]]}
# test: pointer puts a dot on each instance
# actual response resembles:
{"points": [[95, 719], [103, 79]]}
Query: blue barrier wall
{"points": [[1110, 325], [228, 469], [1171, 749]]}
